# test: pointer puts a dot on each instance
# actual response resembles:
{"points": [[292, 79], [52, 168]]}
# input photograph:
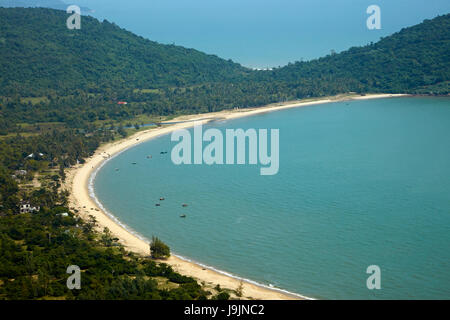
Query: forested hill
{"points": [[38, 52], [413, 59], [40, 57]]}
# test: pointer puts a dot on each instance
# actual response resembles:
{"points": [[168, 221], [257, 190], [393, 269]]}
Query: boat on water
{"points": [[183, 216]]}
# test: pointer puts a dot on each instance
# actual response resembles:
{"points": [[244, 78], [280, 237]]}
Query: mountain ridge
{"points": [[78, 76], [52, 4], [41, 46]]}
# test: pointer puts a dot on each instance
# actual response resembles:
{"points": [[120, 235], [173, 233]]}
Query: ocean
{"points": [[360, 183], [263, 33]]}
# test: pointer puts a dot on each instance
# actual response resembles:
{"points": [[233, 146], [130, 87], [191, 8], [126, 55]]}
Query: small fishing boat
{"points": [[161, 199], [184, 205], [134, 163], [157, 204], [183, 216]]}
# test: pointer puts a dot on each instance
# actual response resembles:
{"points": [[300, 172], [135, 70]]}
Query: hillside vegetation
{"points": [[49, 73], [414, 58], [98, 56]]}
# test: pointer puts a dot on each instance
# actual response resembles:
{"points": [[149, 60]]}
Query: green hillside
{"points": [[415, 57], [35, 45], [39, 55], [51, 74]]}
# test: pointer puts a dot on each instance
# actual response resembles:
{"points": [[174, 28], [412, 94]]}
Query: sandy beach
{"points": [[78, 179]]}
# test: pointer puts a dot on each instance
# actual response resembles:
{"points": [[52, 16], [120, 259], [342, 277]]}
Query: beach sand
{"points": [[78, 179]]}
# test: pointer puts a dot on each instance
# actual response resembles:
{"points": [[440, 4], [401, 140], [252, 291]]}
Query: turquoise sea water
{"points": [[360, 183], [263, 33]]}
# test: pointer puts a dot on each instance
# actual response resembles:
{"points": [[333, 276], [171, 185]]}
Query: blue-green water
{"points": [[263, 33], [360, 183]]}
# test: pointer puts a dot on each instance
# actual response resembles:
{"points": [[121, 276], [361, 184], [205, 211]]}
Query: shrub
{"points": [[158, 249], [222, 296]]}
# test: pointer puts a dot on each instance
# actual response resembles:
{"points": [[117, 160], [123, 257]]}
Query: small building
{"points": [[34, 155], [64, 214], [26, 207], [20, 173]]}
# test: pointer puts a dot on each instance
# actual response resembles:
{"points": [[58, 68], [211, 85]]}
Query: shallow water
{"points": [[360, 183]]}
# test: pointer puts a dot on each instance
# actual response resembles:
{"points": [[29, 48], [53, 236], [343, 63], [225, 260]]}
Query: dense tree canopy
{"points": [[98, 56], [36, 249], [40, 56], [407, 61], [78, 76]]}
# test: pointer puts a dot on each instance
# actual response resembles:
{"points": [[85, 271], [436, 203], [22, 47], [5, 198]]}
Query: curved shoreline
{"points": [[82, 197], [186, 259]]}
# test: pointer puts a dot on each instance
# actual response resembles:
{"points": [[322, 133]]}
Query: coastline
{"points": [[79, 178]]}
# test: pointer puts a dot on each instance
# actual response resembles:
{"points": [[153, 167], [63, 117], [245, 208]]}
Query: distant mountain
{"points": [[38, 55], [39, 51], [52, 4], [416, 59]]}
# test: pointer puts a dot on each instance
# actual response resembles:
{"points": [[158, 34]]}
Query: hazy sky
{"points": [[263, 33]]}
